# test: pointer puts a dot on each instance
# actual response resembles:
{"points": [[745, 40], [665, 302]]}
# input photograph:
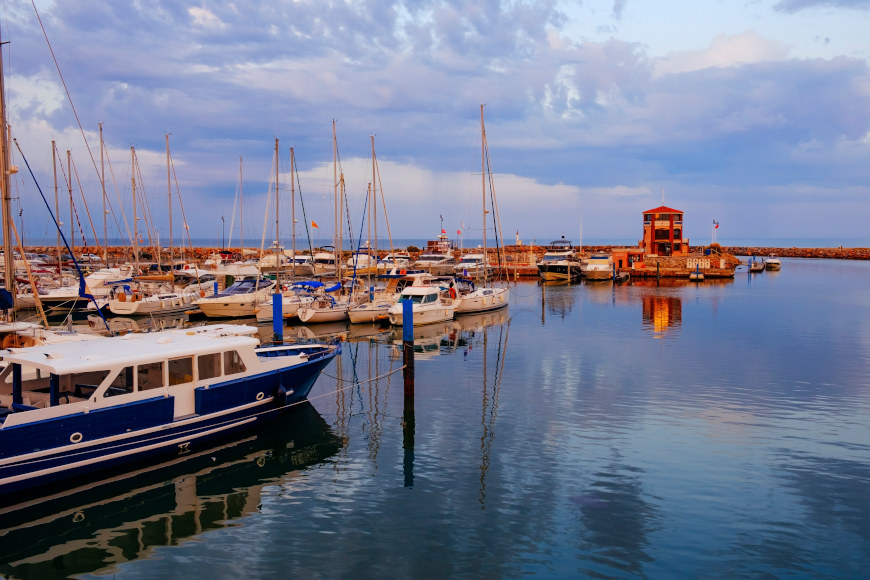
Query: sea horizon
{"points": [[402, 243]]}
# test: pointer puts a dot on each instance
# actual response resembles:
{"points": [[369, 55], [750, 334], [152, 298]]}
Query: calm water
{"points": [[718, 430]]}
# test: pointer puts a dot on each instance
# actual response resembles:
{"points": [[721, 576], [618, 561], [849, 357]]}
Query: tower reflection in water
{"points": [[662, 313]]}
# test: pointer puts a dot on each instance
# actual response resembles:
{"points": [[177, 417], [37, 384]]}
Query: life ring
{"points": [[403, 272], [202, 293], [122, 297]]}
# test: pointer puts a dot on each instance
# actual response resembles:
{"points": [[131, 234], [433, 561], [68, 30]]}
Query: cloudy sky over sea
{"points": [[754, 113]]}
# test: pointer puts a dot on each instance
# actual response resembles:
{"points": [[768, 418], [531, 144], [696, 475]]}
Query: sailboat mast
{"points": [[374, 202], [169, 193], [72, 227], [483, 186], [103, 187], [293, 212], [56, 202], [135, 216], [335, 199], [277, 237], [5, 169]]}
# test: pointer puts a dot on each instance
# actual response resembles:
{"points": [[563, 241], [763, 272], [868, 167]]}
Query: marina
{"points": [[643, 429]]}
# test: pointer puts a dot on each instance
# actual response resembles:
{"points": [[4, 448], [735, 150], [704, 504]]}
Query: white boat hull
{"points": [[482, 300]]}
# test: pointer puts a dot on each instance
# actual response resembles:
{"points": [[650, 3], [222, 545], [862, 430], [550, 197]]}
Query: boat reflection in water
{"points": [[99, 524]]}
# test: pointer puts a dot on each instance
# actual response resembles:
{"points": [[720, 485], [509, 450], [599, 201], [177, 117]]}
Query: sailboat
{"points": [[471, 298], [326, 308], [71, 409]]}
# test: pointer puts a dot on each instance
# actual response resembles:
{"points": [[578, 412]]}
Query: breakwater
{"points": [[829, 253]]}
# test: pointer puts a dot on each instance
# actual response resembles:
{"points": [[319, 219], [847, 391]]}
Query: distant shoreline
{"points": [[839, 253]]}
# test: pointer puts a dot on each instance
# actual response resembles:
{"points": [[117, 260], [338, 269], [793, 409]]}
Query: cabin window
{"points": [[150, 376], [180, 370], [122, 384], [233, 363], [209, 365]]}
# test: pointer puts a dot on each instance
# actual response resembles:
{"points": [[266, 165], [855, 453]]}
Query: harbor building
{"points": [[663, 232]]}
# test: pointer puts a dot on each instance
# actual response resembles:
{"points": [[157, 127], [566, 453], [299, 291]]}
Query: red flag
{"points": [[458, 232], [314, 224], [443, 231]]}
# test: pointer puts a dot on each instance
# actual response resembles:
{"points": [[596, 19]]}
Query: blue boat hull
{"points": [[42, 452]]}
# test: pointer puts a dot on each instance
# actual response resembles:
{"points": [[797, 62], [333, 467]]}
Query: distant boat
{"points": [[559, 262], [240, 299], [755, 267], [429, 304], [471, 299], [474, 265], [772, 263], [598, 266], [437, 258]]}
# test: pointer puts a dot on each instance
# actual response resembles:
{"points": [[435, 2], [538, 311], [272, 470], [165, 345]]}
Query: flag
{"points": [[458, 232], [314, 224], [443, 231], [715, 225]]}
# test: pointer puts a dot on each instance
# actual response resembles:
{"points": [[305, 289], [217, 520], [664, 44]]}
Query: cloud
{"points": [[618, 7], [573, 124], [725, 51], [792, 6]]}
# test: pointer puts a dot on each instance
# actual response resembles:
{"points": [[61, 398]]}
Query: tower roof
{"points": [[663, 209]]}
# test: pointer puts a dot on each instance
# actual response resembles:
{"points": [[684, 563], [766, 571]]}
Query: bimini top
{"points": [[111, 352]]}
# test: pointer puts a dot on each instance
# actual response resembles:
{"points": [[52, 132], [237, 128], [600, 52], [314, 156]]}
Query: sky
{"points": [[752, 113]]}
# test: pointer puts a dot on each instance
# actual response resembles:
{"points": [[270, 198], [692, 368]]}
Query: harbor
{"points": [[637, 429]]}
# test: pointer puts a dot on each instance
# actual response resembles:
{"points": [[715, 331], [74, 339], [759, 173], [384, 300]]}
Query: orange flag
{"points": [[314, 224]]}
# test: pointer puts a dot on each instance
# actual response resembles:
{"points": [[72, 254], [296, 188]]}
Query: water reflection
{"points": [[557, 299], [661, 313], [99, 524]]}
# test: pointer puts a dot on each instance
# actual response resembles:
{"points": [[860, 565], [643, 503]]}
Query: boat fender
{"points": [[280, 396]]}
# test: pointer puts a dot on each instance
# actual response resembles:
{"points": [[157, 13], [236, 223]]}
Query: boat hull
{"points": [[482, 300], [553, 272], [421, 317], [43, 452]]}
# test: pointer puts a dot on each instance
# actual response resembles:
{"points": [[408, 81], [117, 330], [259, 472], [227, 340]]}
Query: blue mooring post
{"points": [[408, 422], [278, 316], [408, 346]]}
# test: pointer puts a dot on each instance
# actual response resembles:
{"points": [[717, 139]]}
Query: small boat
{"points": [[437, 258], [471, 299], [559, 262], [75, 408], [772, 263], [396, 260], [473, 265], [378, 304], [160, 294], [240, 299], [294, 297], [323, 309], [755, 267], [429, 304], [599, 266]]}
